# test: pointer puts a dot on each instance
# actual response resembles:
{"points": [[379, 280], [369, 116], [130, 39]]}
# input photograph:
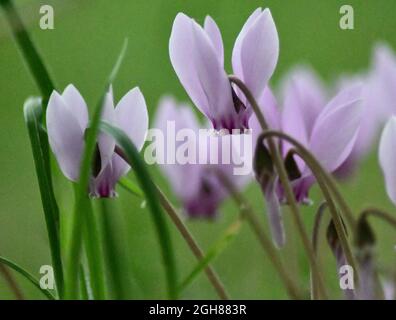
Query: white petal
{"points": [[65, 135], [105, 142], [132, 117], [259, 53], [197, 65], [336, 129], [76, 104], [213, 31], [387, 157], [236, 52]]}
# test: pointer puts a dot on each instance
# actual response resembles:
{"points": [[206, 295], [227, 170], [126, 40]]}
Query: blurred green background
{"points": [[82, 49]]}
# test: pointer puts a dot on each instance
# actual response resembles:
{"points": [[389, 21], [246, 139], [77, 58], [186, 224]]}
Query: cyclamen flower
{"points": [[67, 122], [328, 132], [197, 55], [379, 100], [196, 184]]}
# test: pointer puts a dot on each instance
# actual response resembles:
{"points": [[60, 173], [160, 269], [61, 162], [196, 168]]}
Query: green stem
{"points": [[315, 241], [248, 214], [93, 249], [29, 51], [212, 275], [319, 173], [112, 251], [148, 187], [281, 170], [27, 275], [14, 287], [82, 203], [194, 247], [33, 113], [383, 215], [338, 223]]}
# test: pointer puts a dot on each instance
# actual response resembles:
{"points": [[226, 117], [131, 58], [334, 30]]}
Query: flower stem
{"points": [[319, 173], [387, 217], [94, 255], [11, 282], [315, 241], [196, 250], [188, 237], [281, 170], [248, 214]]}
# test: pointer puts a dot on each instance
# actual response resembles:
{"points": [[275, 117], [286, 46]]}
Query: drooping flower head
{"points": [[195, 182], [197, 55], [67, 122], [327, 131]]}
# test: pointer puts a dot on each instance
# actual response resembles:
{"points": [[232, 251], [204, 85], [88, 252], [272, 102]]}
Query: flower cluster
{"points": [[337, 125]]}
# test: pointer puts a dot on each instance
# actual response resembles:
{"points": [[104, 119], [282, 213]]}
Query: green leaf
{"points": [[150, 191], [129, 186], [217, 248], [83, 209], [33, 113], [27, 275], [113, 251], [31, 55]]}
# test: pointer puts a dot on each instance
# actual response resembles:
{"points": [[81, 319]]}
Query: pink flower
{"points": [[197, 56], [67, 122]]}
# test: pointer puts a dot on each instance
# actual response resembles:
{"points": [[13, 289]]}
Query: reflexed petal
{"points": [[336, 129], [212, 30], [236, 52], [259, 53], [132, 117], [196, 63], [304, 89], [105, 142], [65, 135], [76, 104], [387, 157]]}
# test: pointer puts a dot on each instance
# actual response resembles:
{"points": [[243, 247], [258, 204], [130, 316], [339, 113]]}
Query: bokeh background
{"points": [[82, 49]]}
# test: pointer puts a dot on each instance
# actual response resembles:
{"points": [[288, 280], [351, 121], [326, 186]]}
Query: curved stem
{"points": [[187, 236], [281, 170], [248, 214], [11, 282], [315, 240], [338, 223], [196, 250], [316, 229], [320, 176], [379, 214]]}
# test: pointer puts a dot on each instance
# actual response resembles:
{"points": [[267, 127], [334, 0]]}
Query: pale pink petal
{"points": [[132, 117], [197, 65], [105, 142], [65, 135], [259, 53], [236, 52], [76, 104], [336, 129], [387, 157], [213, 31]]}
